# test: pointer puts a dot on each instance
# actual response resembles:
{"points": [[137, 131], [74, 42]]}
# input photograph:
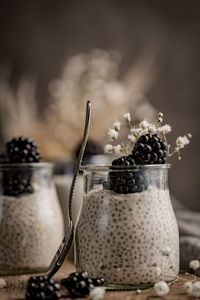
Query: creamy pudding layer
{"points": [[128, 239], [31, 229]]}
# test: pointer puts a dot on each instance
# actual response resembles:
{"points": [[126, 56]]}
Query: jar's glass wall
{"points": [[129, 180]]}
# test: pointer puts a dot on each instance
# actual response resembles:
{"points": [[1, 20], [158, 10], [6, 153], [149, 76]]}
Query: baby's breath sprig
{"points": [[113, 134], [135, 133], [144, 127], [181, 142]]}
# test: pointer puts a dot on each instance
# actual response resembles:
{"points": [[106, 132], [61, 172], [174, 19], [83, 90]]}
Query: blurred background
{"points": [[137, 56]]}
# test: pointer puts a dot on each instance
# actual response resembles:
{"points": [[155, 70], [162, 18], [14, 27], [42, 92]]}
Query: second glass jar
{"points": [[31, 221]]}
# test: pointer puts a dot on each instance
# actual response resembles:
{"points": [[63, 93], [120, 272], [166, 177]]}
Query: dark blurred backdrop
{"points": [[36, 37]]}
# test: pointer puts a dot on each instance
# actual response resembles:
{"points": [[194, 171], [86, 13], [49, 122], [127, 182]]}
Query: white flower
{"points": [[152, 129], [108, 148], [164, 129], [131, 138], [135, 131], [166, 251], [3, 283], [127, 117], [196, 289], [161, 288], [116, 125], [113, 134], [144, 124], [181, 141], [97, 293], [194, 264], [189, 135], [118, 149], [188, 287]]}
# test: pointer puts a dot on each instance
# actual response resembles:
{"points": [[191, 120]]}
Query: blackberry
{"points": [[127, 180], [16, 183], [98, 281], [150, 149], [125, 161], [197, 272], [41, 287], [4, 158], [80, 284], [22, 150]]}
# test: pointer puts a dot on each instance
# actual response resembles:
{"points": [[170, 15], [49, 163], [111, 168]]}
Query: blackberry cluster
{"points": [[126, 181], [42, 288], [150, 149], [80, 284], [22, 150]]}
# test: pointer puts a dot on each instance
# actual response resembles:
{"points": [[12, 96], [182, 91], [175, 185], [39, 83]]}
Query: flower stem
{"points": [[124, 148]]}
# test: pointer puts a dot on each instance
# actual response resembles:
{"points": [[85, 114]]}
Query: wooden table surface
{"points": [[17, 285]]}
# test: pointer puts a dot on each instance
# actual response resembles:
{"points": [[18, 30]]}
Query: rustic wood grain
{"points": [[17, 285]]}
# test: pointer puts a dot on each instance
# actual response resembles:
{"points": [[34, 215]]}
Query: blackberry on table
{"points": [[150, 149], [42, 288], [197, 272], [98, 281], [80, 284], [128, 179], [23, 150]]}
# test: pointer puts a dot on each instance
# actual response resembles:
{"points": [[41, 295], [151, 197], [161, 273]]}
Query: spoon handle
{"points": [[80, 156], [65, 246]]}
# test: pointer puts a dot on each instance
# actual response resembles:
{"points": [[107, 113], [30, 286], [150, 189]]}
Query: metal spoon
{"points": [[64, 248]]}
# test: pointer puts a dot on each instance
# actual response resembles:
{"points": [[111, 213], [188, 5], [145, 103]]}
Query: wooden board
{"points": [[17, 285]]}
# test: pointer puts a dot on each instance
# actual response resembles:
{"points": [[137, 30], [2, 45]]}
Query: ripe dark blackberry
{"points": [[150, 149], [127, 179], [4, 158], [16, 182], [22, 150], [98, 281], [43, 288], [197, 272], [80, 284]]}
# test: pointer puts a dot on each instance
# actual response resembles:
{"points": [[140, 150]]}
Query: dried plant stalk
{"points": [[93, 75]]}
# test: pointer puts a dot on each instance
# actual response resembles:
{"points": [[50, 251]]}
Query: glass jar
{"points": [[126, 231], [31, 221]]}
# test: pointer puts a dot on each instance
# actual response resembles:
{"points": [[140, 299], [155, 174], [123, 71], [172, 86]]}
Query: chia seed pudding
{"points": [[31, 230], [128, 238]]}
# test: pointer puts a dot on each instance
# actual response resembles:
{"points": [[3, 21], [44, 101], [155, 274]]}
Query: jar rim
{"points": [[102, 167], [26, 165]]}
